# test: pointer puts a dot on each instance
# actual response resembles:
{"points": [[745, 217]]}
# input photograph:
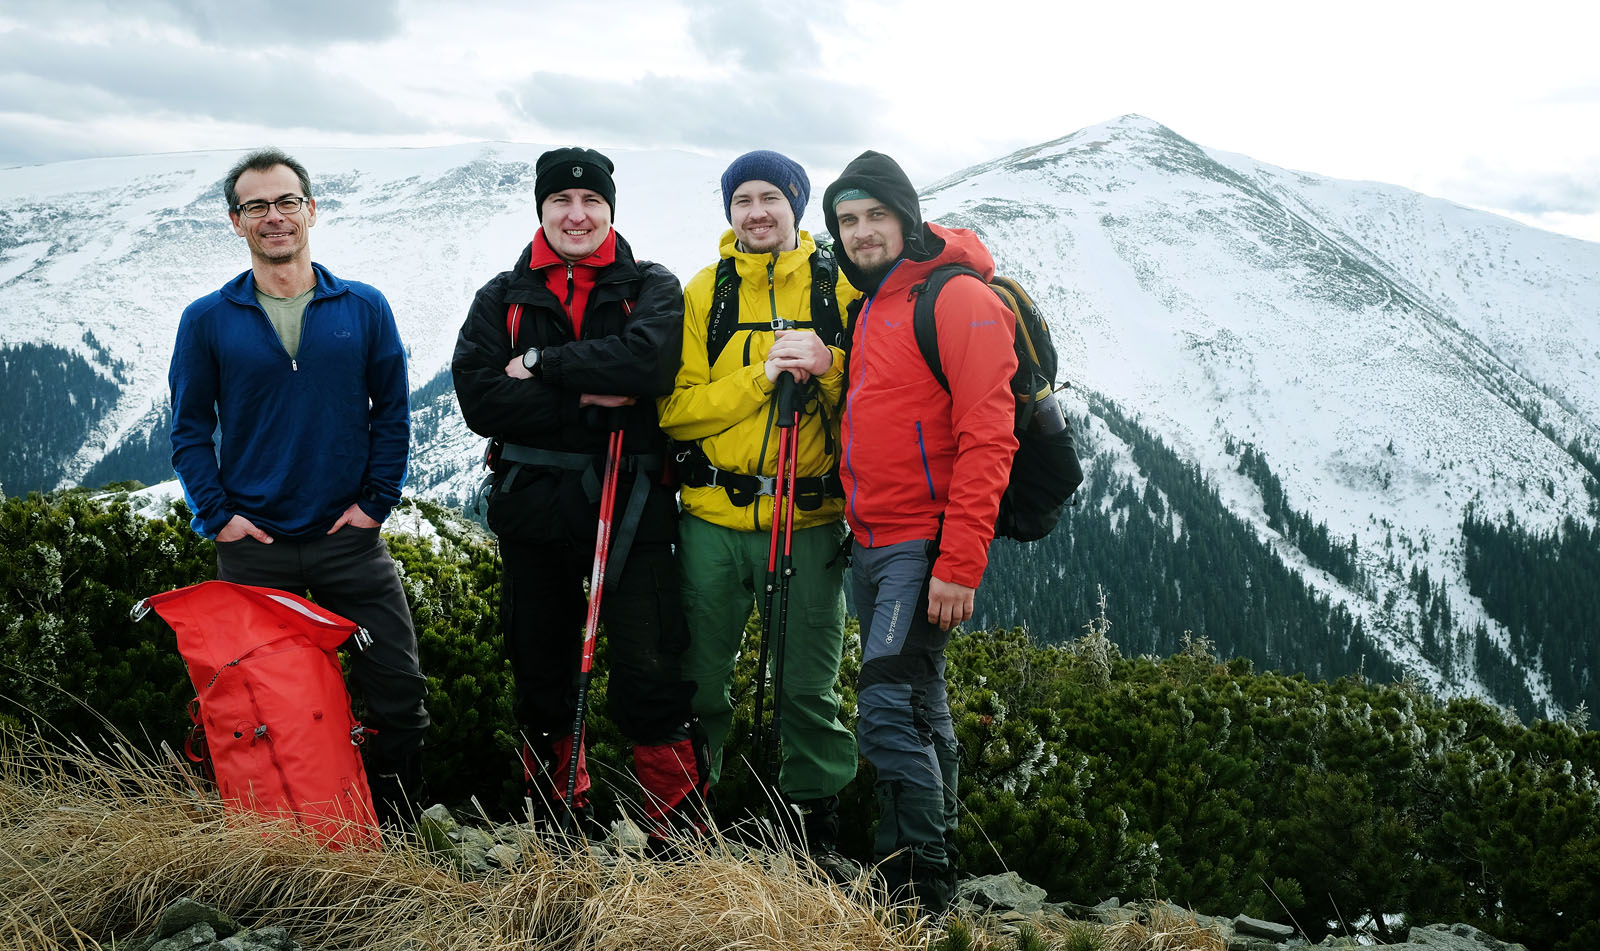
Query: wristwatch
{"points": [[530, 360]]}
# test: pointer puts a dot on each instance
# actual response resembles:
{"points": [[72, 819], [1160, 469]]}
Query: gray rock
{"points": [[1246, 943], [259, 939], [438, 829], [184, 913], [198, 935], [1003, 892], [504, 856], [1256, 928], [1458, 937]]}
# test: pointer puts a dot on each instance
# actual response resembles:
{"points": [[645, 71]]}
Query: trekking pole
{"points": [[789, 426], [776, 608], [597, 578]]}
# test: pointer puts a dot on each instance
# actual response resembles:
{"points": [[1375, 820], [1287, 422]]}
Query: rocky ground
{"points": [[1000, 908]]}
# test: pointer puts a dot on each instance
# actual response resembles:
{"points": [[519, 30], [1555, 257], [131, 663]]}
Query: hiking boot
{"points": [[819, 838], [905, 881], [673, 782], [399, 793], [545, 762], [912, 833]]}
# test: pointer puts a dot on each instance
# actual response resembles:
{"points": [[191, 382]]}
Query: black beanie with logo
{"points": [[560, 169]]}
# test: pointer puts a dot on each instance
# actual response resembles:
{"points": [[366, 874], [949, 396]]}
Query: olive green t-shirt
{"points": [[287, 315]]}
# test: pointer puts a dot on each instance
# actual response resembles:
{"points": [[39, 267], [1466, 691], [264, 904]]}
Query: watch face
{"points": [[530, 359]]}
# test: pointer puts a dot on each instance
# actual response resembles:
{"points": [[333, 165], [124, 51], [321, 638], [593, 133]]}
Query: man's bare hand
{"points": [[800, 352], [238, 527], [353, 516], [516, 370], [949, 604], [602, 399]]}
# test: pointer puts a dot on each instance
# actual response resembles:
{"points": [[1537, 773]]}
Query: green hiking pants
{"points": [[724, 576]]}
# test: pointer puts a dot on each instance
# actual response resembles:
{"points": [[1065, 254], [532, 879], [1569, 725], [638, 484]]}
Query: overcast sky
{"points": [[1492, 105]]}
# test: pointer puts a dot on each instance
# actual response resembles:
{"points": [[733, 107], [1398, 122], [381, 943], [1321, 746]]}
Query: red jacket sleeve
{"points": [[975, 348]]}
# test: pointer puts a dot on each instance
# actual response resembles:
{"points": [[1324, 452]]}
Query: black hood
{"points": [[881, 177]]}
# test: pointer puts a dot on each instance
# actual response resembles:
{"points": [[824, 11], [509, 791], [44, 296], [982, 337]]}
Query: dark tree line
{"points": [[52, 398], [1310, 537], [1544, 586], [1171, 558]]}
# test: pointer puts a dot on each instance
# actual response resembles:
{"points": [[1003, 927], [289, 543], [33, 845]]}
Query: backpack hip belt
{"points": [[742, 489], [641, 464]]}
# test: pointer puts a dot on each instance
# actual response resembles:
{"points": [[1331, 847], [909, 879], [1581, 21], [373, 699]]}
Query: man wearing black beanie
{"points": [[924, 468], [574, 342]]}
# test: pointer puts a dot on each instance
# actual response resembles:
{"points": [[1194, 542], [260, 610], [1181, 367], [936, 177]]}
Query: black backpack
{"points": [[1045, 471], [723, 318]]}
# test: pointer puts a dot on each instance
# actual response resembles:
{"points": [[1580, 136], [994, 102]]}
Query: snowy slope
{"points": [[1377, 345]]}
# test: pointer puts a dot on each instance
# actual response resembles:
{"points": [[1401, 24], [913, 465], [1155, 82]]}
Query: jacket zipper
{"points": [[294, 362], [844, 450], [772, 293], [922, 450], [571, 287]]}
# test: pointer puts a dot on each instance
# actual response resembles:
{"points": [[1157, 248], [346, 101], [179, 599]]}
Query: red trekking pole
{"points": [[597, 577], [780, 568]]}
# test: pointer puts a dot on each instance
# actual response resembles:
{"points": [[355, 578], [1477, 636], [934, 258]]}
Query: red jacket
{"points": [[913, 452]]}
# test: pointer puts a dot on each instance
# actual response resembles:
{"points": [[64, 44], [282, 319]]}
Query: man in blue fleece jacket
{"points": [[302, 377]]}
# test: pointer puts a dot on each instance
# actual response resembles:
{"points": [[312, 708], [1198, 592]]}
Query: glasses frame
{"points": [[301, 202]]}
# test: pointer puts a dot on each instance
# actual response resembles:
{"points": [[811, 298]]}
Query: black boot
{"points": [[915, 863], [926, 887], [544, 783], [819, 836], [399, 793]]}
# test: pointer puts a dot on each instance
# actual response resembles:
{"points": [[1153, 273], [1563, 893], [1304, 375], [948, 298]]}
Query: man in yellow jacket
{"points": [[773, 304]]}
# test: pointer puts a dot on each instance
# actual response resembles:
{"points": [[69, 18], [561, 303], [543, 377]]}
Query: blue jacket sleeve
{"points": [[192, 379], [389, 432]]}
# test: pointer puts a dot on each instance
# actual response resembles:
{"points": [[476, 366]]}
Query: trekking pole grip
{"points": [[787, 388]]}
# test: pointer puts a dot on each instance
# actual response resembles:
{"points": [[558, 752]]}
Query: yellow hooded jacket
{"points": [[729, 408]]}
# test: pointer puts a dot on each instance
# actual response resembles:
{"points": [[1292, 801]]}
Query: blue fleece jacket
{"points": [[300, 439]]}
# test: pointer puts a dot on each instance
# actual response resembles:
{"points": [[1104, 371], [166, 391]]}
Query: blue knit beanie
{"points": [[765, 166]]}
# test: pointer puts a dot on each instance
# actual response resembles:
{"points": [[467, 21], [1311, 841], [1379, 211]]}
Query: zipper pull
{"points": [[294, 365]]}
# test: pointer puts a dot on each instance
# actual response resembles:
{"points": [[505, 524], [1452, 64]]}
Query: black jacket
{"points": [[631, 344]]}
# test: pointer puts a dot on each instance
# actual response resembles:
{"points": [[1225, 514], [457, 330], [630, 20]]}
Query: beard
{"points": [[872, 278]]}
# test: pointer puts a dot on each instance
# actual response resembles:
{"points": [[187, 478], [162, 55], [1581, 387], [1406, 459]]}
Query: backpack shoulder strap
{"points": [[824, 299], [724, 312], [922, 320]]}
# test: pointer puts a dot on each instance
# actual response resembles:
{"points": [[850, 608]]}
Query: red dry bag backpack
{"points": [[274, 706]]}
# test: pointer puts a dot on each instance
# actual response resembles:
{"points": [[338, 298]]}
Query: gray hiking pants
{"points": [[902, 708]]}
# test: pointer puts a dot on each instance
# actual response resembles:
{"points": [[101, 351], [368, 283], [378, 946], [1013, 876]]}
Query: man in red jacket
{"points": [[923, 471]]}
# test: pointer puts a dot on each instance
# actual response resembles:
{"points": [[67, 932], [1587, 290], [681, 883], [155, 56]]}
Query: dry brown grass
{"points": [[94, 843], [1161, 927]]}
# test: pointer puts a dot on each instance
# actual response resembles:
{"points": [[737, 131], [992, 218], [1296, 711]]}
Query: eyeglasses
{"points": [[258, 209]]}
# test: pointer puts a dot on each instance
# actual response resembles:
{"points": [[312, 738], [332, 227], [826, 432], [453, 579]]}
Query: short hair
{"points": [[262, 160]]}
